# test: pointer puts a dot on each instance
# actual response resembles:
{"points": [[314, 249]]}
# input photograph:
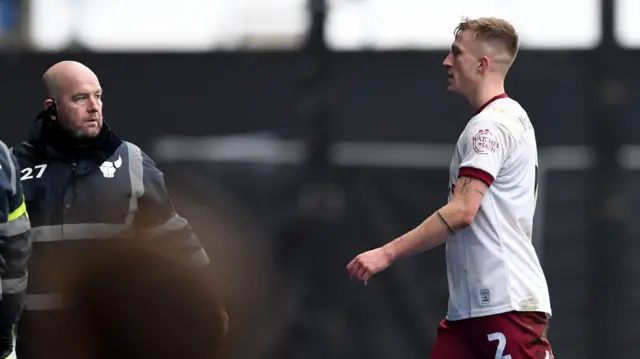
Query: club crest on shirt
{"points": [[485, 143]]}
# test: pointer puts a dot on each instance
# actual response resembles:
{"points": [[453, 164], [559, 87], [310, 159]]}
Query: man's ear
{"points": [[483, 64], [51, 108]]}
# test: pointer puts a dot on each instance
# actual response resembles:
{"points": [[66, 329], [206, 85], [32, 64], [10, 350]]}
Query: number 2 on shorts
{"points": [[502, 343]]}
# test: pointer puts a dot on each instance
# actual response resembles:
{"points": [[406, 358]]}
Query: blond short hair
{"points": [[492, 29]]}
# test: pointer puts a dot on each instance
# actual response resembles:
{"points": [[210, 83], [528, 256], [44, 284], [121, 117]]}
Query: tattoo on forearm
{"points": [[466, 187], [445, 224]]}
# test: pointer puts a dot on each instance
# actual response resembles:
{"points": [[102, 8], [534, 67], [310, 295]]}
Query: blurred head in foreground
{"points": [[134, 302]]}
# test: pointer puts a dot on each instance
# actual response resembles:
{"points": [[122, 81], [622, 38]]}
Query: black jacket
{"points": [[81, 196], [15, 248]]}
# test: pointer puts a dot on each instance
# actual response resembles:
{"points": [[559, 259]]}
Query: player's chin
{"points": [[451, 86]]}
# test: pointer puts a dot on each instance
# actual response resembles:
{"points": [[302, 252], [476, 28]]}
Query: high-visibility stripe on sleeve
{"points": [[22, 209], [14, 286]]}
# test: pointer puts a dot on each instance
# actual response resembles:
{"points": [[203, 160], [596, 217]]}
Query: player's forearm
{"points": [[431, 233]]}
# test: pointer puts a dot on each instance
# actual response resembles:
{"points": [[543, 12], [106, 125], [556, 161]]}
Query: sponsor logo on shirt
{"points": [[485, 143]]}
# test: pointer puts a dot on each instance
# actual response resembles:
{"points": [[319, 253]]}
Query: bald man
{"points": [[85, 189]]}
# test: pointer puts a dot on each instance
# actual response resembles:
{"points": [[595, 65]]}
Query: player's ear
{"points": [[483, 64]]}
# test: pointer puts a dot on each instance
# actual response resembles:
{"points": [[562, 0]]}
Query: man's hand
{"points": [[367, 264]]}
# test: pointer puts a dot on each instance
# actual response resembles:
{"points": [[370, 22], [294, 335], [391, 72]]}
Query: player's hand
{"points": [[369, 263]]}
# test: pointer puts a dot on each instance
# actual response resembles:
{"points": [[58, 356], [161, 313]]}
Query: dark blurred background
{"points": [[295, 134]]}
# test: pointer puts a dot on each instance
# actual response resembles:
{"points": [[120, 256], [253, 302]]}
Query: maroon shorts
{"points": [[512, 335]]}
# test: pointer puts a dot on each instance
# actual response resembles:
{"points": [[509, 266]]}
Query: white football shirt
{"points": [[492, 266]]}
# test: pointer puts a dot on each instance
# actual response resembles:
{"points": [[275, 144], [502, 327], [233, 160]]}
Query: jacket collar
{"points": [[50, 142]]}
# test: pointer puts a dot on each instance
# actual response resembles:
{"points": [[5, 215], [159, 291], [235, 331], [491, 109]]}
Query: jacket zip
{"points": [[70, 182]]}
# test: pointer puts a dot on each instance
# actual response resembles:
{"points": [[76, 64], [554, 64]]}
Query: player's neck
{"points": [[484, 94]]}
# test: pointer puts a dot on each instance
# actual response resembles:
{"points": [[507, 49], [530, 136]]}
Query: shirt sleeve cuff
{"points": [[477, 174]]}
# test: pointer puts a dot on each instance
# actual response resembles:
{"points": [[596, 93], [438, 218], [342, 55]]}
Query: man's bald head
{"points": [[60, 74], [76, 93]]}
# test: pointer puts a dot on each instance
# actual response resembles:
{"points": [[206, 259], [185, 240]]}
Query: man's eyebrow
{"points": [[85, 93]]}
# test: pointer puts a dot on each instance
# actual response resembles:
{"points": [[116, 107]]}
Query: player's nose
{"points": [[447, 62]]}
